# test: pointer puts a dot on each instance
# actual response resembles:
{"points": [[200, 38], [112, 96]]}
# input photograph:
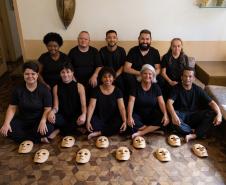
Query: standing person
{"points": [[26, 116], [69, 107], [106, 113], [146, 107], [173, 63], [189, 106], [140, 55], [114, 56], [86, 62], [51, 61]]}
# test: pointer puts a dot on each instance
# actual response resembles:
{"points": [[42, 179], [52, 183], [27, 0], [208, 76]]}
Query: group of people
{"points": [[109, 92]]}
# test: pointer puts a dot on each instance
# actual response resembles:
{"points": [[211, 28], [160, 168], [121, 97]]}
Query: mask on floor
{"points": [[163, 155], [122, 153], [68, 141], [200, 150], [83, 156], [25, 147], [174, 140], [139, 142], [102, 142], [41, 156]]}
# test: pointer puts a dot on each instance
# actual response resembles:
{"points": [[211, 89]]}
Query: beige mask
{"points": [[122, 153], [25, 147], [163, 154], [68, 141], [83, 156], [102, 142], [199, 150], [139, 142], [174, 140], [41, 156]]}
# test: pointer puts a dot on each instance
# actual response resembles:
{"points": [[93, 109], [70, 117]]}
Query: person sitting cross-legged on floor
{"points": [[69, 107], [26, 116], [106, 113], [146, 107], [189, 106]]}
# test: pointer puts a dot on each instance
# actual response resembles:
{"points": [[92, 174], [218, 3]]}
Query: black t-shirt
{"points": [[189, 100], [84, 63], [174, 67], [114, 59], [31, 104], [138, 60], [146, 102], [106, 105], [51, 68], [69, 100]]}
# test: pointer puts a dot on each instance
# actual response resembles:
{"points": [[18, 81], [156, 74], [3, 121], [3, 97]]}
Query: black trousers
{"points": [[147, 120], [66, 126], [200, 121], [27, 130], [107, 128]]}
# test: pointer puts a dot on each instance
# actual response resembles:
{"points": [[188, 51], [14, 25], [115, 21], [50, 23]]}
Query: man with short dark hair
{"points": [[189, 105], [114, 56], [140, 55]]}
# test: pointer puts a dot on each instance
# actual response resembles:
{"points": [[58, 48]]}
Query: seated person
{"points": [[86, 62], [106, 111], [140, 55], [114, 56], [69, 102], [173, 63], [146, 107], [51, 61], [189, 107], [33, 101]]}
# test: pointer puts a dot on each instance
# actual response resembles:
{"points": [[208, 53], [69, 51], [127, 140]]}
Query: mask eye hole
{"points": [[44, 153], [70, 139], [86, 153], [28, 144], [80, 153]]}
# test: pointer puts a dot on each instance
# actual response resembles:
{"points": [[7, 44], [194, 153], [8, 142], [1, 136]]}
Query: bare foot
{"points": [[94, 134], [44, 140], [54, 134], [139, 133], [190, 137], [142, 128]]}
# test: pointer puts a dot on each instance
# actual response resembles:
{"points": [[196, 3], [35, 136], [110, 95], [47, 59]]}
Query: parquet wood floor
{"points": [[103, 169]]}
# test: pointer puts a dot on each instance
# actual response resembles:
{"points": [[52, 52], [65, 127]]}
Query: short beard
{"points": [[111, 46], [144, 47]]}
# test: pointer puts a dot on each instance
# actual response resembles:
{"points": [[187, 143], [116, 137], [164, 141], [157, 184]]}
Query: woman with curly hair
{"points": [[52, 61]]}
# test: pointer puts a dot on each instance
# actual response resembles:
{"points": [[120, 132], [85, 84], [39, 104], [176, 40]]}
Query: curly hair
{"points": [[53, 37]]}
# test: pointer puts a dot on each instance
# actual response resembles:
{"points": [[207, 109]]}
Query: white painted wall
{"points": [[165, 18]]}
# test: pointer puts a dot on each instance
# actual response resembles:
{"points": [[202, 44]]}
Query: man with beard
{"points": [[114, 56], [189, 106], [140, 55], [86, 61]]}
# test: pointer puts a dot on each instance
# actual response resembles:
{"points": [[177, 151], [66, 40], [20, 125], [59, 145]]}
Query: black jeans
{"points": [[201, 121]]}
